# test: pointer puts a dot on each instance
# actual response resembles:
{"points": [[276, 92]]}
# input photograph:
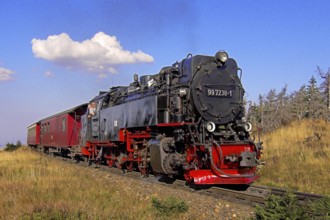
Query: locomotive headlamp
{"points": [[248, 126], [210, 126], [221, 56]]}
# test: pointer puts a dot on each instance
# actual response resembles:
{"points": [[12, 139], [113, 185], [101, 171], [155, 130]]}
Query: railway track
{"points": [[251, 195]]}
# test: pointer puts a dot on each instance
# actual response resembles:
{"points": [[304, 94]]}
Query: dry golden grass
{"points": [[298, 157], [33, 186]]}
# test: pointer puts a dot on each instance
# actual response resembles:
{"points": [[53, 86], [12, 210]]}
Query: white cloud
{"points": [[49, 74], [5, 74], [101, 54]]}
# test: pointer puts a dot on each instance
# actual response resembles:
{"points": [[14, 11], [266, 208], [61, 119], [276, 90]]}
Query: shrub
{"points": [[287, 207], [321, 208], [169, 206], [277, 207], [13, 147]]}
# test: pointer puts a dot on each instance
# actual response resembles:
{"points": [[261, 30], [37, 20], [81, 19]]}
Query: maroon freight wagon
{"points": [[58, 133]]}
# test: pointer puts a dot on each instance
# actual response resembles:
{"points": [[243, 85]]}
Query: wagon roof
{"points": [[71, 110]]}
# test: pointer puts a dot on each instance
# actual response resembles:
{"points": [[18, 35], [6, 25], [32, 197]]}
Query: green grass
{"points": [[169, 207]]}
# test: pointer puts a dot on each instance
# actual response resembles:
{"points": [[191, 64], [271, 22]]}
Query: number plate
{"points": [[219, 92]]}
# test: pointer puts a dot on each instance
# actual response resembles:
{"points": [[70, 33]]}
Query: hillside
{"points": [[297, 157]]}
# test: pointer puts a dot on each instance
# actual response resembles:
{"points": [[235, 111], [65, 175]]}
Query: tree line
{"points": [[13, 147], [276, 109]]}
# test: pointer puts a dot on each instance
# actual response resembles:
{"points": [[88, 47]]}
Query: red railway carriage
{"points": [[62, 129], [58, 133], [33, 135]]}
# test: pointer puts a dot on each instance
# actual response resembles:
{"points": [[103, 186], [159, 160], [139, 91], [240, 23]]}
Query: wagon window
{"points": [[63, 124]]}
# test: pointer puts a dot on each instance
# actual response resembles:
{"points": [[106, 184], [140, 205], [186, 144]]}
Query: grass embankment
{"points": [[298, 157], [33, 186]]}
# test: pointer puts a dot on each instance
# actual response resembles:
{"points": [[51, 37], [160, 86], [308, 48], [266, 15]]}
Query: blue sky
{"points": [[51, 58]]}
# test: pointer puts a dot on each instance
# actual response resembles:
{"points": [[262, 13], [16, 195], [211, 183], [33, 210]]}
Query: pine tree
{"points": [[298, 104], [315, 101]]}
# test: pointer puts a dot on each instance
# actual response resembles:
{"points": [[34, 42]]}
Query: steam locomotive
{"points": [[187, 120]]}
